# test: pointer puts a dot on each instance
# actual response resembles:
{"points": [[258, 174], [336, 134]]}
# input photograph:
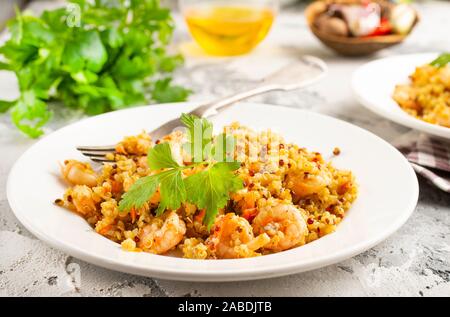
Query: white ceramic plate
{"points": [[373, 85], [387, 184]]}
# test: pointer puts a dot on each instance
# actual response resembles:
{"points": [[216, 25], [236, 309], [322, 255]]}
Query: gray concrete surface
{"points": [[415, 261]]}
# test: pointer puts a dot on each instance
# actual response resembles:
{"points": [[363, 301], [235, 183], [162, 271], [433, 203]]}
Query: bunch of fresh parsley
{"points": [[96, 56], [208, 189]]}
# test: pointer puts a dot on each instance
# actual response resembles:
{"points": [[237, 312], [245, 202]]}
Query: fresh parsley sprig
{"points": [[208, 189]]}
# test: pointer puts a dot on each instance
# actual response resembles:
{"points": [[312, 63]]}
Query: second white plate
{"points": [[373, 85]]}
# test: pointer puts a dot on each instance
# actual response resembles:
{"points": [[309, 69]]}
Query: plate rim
{"points": [[224, 275], [407, 120]]}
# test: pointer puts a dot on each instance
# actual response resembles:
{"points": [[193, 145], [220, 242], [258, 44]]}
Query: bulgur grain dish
{"points": [[287, 196], [427, 96]]}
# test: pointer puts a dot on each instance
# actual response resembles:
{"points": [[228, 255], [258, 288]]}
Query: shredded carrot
{"points": [[116, 187], [249, 213], [344, 188], [133, 215], [199, 217], [105, 229], [155, 198]]}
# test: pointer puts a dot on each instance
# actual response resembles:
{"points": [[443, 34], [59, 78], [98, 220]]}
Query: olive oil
{"points": [[229, 30]]}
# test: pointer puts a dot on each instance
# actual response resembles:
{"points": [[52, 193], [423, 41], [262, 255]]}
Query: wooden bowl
{"points": [[350, 46]]}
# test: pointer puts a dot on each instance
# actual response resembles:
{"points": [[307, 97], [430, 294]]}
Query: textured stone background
{"points": [[415, 261]]}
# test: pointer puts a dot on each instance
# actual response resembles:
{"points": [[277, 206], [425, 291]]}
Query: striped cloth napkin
{"points": [[430, 157]]}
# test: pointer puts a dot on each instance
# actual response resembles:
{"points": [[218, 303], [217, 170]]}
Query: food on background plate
{"points": [[234, 195], [427, 96], [365, 18], [89, 56]]}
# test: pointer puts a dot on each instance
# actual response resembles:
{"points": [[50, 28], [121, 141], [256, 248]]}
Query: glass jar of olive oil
{"points": [[228, 27]]}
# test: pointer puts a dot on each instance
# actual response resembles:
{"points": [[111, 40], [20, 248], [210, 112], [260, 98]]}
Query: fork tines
{"points": [[97, 153]]}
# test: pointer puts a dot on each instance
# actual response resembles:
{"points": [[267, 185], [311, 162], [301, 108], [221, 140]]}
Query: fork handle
{"points": [[213, 107]]}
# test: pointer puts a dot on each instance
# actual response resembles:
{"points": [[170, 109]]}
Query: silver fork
{"points": [[301, 73]]}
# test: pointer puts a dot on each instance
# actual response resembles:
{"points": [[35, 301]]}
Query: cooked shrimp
{"points": [[405, 96], [77, 173], [445, 76], [162, 234], [303, 185], [81, 196], [284, 224], [233, 238]]}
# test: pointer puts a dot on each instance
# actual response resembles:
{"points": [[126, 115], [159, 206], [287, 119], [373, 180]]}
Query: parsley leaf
{"points": [[139, 193], [169, 182], [5, 105], [164, 91], [172, 190], [211, 188], [85, 51], [441, 60], [30, 113], [161, 157]]}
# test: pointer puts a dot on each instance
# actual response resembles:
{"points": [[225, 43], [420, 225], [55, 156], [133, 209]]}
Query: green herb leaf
{"points": [[170, 182], [170, 63], [16, 28], [112, 37], [86, 50], [6, 105], [211, 188], [55, 19], [160, 157], [30, 113], [442, 60], [172, 190], [139, 193], [164, 91], [5, 66]]}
